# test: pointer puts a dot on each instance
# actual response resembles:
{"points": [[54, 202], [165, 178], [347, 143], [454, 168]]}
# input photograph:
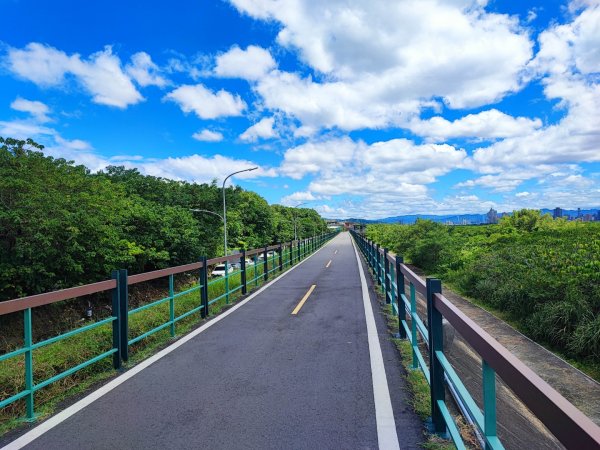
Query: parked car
{"points": [[270, 255], [219, 270]]}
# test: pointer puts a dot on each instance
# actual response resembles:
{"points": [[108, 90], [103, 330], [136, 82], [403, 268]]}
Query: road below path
{"points": [[260, 378]]}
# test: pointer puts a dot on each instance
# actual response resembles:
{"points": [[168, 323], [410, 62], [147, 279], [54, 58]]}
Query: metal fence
{"points": [[569, 425], [243, 271]]}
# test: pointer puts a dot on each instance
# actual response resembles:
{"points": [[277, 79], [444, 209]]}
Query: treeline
{"points": [[544, 273], [61, 225]]}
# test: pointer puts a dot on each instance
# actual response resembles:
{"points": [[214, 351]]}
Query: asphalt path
{"points": [[261, 378]]}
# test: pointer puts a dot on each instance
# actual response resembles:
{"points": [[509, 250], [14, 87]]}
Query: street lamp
{"points": [[295, 228], [225, 207]]}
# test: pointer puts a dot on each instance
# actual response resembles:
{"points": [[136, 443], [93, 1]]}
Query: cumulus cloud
{"points": [[379, 64], [250, 64], [491, 124], [263, 129], [398, 167], [297, 198], [23, 129], [208, 136], [564, 63], [100, 75], [144, 71], [205, 103], [202, 169], [38, 110]]}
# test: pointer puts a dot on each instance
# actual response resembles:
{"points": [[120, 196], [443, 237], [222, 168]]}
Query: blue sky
{"points": [[363, 109]]}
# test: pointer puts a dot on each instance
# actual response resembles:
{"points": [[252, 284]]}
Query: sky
{"points": [[354, 108]]}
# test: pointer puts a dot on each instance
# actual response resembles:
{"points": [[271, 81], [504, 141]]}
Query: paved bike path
{"points": [[260, 378]]}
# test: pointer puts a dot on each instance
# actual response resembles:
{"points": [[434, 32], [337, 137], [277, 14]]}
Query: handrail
{"points": [[565, 421], [32, 301], [568, 424], [284, 256]]}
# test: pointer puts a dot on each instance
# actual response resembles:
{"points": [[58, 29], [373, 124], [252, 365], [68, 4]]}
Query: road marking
{"points": [[295, 311], [57, 419], [328, 264], [335, 253], [387, 437]]}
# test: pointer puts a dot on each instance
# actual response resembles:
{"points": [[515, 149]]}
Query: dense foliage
{"points": [[61, 225], [544, 273]]}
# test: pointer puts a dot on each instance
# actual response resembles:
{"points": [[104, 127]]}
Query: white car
{"points": [[270, 255], [219, 270]]}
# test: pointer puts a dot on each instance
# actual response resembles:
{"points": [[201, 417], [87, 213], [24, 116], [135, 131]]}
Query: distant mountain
{"points": [[473, 219]]}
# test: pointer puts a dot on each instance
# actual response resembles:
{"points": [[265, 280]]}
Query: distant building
{"points": [[587, 218], [558, 213], [578, 213], [492, 216]]}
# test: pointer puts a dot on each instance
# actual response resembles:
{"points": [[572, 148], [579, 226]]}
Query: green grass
{"points": [[51, 360]]}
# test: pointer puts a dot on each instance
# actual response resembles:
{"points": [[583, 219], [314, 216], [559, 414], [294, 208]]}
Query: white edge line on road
{"points": [[55, 420], [387, 437]]}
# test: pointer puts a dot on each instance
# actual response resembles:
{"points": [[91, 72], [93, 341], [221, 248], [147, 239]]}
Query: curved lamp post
{"points": [[225, 207]]}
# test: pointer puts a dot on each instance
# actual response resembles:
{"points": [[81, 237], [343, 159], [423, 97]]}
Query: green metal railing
{"points": [[267, 261], [569, 425]]}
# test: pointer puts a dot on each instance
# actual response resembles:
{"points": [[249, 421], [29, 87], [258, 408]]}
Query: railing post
{"points": [[372, 256], [291, 255], [386, 284], [204, 289], [172, 304], [413, 325], [124, 332], [255, 259], [436, 344], [28, 342], [400, 291], [298, 250], [116, 325], [378, 264], [265, 265], [489, 403], [280, 257], [227, 282], [243, 274]]}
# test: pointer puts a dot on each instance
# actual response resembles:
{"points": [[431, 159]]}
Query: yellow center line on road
{"points": [[328, 264], [295, 311]]}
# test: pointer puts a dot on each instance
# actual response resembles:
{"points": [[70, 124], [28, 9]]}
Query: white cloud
{"points": [[208, 136], [144, 71], [263, 129], [202, 169], [298, 197], [397, 168], [563, 68], [250, 64], [572, 45], [379, 64], [37, 109], [101, 74], [205, 103], [23, 129], [491, 124], [523, 194]]}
